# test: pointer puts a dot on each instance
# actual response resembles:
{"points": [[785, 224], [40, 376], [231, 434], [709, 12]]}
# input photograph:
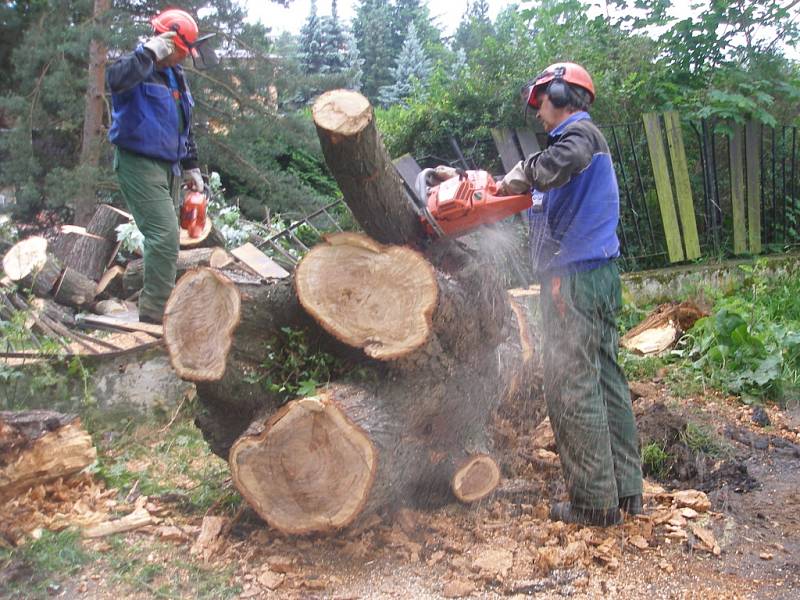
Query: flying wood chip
{"points": [[379, 298]]}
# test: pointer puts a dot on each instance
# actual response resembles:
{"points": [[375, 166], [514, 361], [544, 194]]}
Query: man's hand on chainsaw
{"points": [[193, 179], [515, 182]]}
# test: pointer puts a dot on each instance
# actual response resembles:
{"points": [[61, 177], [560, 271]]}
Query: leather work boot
{"points": [[631, 504], [563, 511]]}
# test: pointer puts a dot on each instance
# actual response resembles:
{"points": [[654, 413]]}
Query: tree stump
{"points": [[83, 252], [435, 347], [29, 264]]}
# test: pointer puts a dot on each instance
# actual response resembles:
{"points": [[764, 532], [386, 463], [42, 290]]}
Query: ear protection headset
{"points": [[558, 90]]}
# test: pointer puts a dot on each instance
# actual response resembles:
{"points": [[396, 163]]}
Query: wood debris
{"points": [[136, 520], [210, 539], [692, 499], [458, 588], [707, 540]]}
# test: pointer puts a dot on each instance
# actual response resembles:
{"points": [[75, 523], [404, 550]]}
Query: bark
{"points": [[363, 169], [105, 221], [39, 446], [74, 289], [29, 264], [83, 252], [93, 130], [187, 259]]}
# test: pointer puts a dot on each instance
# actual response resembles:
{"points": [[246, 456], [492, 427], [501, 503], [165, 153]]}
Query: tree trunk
{"points": [[433, 349], [105, 221], [29, 264], [87, 254], [93, 129], [363, 169], [39, 446], [216, 258]]}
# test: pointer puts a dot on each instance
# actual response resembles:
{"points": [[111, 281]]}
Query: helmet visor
{"points": [[203, 55]]}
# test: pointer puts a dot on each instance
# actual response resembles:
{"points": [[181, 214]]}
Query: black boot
{"points": [[563, 511], [631, 504]]}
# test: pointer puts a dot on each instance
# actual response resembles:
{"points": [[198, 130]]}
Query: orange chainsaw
{"points": [[462, 201], [193, 212]]}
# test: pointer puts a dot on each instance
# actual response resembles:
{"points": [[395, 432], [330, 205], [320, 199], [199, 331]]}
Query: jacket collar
{"points": [[578, 116]]}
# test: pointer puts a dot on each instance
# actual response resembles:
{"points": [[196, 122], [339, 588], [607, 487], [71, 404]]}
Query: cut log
{"points": [[29, 264], [379, 298], [74, 289], [474, 479], [210, 237], [110, 284], [258, 262], [199, 320], [83, 252], [40, 446], [216, 258], [54, 311], [662, 328], [105, 221], [363, 169]]}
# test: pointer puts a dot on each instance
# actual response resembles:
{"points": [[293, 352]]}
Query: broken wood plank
{"points": [[258, 262], [119, 324]]}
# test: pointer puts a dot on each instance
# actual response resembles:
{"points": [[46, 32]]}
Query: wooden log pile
{"points": [[436, 348], [83, 267]]}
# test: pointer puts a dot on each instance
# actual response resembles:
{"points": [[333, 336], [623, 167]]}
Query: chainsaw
{"points": [[462, 201], [193, 212]]}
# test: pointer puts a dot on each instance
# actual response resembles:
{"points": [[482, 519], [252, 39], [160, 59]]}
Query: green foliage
{"points": [[700, 439], [655, 461], [750, 345], [292, 367], [411, 71]]}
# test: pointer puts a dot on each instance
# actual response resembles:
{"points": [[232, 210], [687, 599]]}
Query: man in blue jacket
{"points": [[151, 128], [587, 395]]}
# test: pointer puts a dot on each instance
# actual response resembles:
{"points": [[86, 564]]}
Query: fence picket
{"points": [[753, 159], [658, 158], [738, 192], [683, 189]]}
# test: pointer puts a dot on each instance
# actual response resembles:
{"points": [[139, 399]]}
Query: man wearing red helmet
{"points": [[587, 395], [151, 128]]}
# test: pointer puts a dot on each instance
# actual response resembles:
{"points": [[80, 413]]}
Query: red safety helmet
{"points": [[187, 37], [552, 80]]}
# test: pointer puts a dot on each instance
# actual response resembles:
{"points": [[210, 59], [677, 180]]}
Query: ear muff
{"points": [[558, 92]]}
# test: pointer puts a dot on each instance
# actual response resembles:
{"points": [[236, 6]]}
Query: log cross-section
{"points": [[379, 298]]}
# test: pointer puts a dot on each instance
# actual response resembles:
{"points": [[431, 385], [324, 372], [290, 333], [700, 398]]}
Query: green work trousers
{"points": [[147, 186], [587, 395]]}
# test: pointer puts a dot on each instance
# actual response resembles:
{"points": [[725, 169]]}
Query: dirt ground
{"points": [[723, 522]]}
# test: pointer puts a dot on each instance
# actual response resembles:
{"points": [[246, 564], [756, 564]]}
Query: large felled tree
{"points": [[440, 349]]}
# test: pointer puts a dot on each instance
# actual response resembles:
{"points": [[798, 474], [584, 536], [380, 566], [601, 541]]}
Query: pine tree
{"points": [[407, 12], [311, 42], [372, 29], [412, 70], [333, 43]]}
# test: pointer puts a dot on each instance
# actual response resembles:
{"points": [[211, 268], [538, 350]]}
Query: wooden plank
{"points": [[738, 191], [259, 262], [506, 147], [753, 160], [120, 323], [528, 141], [658, 158], [683, 189]]}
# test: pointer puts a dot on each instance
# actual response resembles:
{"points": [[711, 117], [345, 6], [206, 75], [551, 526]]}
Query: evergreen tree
{"points": [[355, 64], [372, 29], [333, 43], [311, 42], [413, 12], [412, 70], [474, 28]]}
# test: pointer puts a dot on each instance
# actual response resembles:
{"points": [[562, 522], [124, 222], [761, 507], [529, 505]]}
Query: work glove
{"points": [[515, 181], [162, 45], [193, 179]]}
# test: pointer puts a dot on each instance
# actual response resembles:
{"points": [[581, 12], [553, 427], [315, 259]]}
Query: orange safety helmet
{"points": [[553, 79], [182, 23]]}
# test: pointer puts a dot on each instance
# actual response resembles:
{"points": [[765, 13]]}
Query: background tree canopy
{"points": [[726, 61]]}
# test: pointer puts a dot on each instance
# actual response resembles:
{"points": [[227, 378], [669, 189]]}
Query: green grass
{"points": [[654, 461], [43, 565], [702, 440], [638, 367]]}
